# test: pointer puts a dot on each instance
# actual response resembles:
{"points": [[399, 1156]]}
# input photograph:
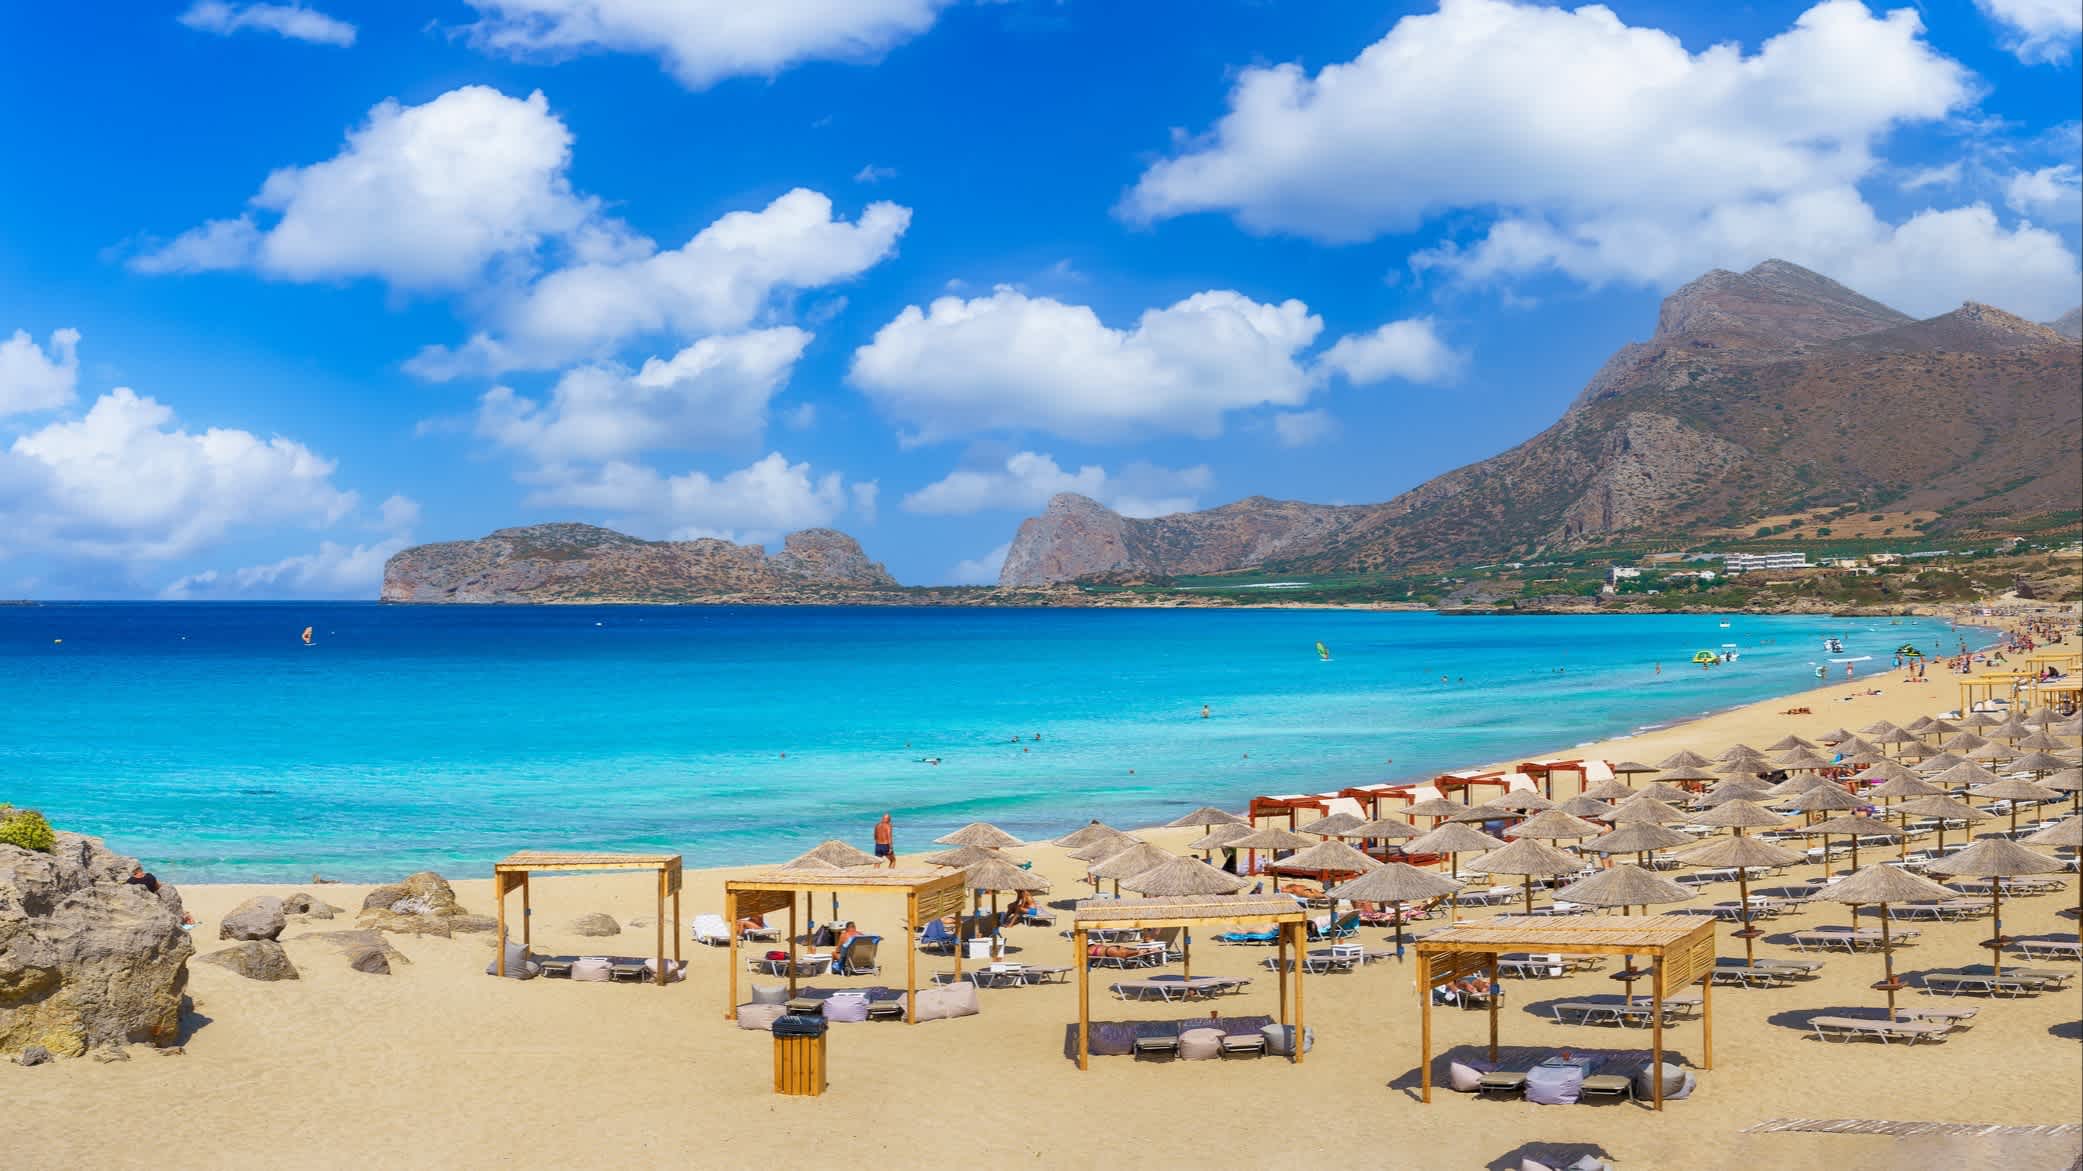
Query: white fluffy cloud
{"points": [[125, 482], [714, 391], [719, 280], [980, 570], [1302, 428], [33, 379], [1025, 480], [334, 571], [424, 197], [2051, 193], [294, 21], [1607, 151], [2037, 30], [1410, 349], [703, 41], [1010, 362], [758, 502]]}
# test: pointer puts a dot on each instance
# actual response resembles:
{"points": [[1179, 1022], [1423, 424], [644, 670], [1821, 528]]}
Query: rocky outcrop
{"points": [[308, 906], [585, 563], [2069, 325], [255, 959], [365, 951], [423, 904], [595, 925], [261, 917], [86, 959], [1769, 392]]}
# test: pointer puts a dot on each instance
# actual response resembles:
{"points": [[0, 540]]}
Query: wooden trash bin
{"points": [[799, 1055]]}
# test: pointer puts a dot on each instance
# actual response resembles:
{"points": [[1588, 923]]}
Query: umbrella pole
{"points": [[1996, 913], [1887, 957], [1454, 899], [1748, 933], [1529, 894], [1396, 909]]}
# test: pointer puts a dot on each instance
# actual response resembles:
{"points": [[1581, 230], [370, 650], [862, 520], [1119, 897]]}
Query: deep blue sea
{"points": [[207, 739]]}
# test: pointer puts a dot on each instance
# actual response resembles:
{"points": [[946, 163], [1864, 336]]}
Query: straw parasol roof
{"points": [[1736, 752], [1796, 785], [1433, 807], [961, 857], [2068, 780], [1129, 862], [1882, 883], [1585, 806], [809, 862], [1834, 736], [1643, 807], [1879, 728], [1962, 742], [1684, 774], [1220, 836], [1554, 823], [1852, 825], [1519, 800], [2014, 789], [1104, 846], [1978, 720], [1788, 744], [1994, 858], [1327, 858], [1939, 727], [997, 874], [1739, 852], [2042, 742], [1452, 838], [2041, 762], [1740, 814], [1396, 882], [1991, 752], [1801, 758], [1632, 766], [1921, 724], [1334, 825], [1966, 773], [979, 833], [1824, 799], [1086, 835], [1858, 746], [1940, 805], [1637, 837], [1886, 770], [2066, 832], [1206, 815], [1527, 856], [2040, 718], [1612, 789], [1905, 786], [1178, 877], [1273, 838], [834, 853], [1898, 736], [1940, 762], [1668, 794], [1685, 758], [1626, 885], [1734, 791], [1387, 829]]}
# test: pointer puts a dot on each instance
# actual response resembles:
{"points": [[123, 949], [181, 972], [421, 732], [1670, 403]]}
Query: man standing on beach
{"points": [[885, 840]]}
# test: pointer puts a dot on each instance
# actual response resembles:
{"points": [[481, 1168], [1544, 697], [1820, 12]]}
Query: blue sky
{"points": [[285, 287]]}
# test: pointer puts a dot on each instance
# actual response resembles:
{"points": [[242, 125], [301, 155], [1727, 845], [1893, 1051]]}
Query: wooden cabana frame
{"points": [[511, 873], [1544, 771], [2006, 685], [1682, 947], [1190, 911], [928, 894]]}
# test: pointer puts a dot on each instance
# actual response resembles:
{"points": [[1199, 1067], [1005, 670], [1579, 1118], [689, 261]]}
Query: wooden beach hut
{"points": [[1681, 947], [511, 874], [928, 894], [1189, 912]]}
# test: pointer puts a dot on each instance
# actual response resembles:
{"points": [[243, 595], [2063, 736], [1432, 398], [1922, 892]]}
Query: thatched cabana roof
{"points": [[1188, 909], [1626, 885]]}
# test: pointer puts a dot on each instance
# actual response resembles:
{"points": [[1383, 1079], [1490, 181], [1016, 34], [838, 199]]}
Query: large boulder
{"points": [[308, 906], [423, 904], [260, 917], [366, 951], [595, 925], [255, 959], [86, 958]]}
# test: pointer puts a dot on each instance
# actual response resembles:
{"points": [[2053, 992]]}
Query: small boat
{"points": [[1834, 645], [1724, 624], [1323, 652]]}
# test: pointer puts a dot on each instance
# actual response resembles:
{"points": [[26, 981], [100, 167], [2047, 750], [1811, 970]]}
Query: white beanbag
{"points": [[760, 1017]]}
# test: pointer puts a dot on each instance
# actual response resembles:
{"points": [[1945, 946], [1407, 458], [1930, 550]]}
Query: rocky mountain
{"points": [[585, 563], [2069, 324], [1760, 393]]}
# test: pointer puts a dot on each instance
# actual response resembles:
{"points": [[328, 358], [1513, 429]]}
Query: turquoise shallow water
{"points": [[208, 740]]}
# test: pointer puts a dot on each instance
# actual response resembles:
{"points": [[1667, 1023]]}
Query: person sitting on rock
{"points": [[138, 877]]}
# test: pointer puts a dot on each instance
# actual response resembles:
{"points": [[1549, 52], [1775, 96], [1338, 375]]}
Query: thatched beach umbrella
{"points": [[1739, 752], [1995, 859], [1740, 853], [1624, 886], [2066, 832], [1643, 807], [1965, 775], [1177, 877], [1332, 826], [1962, 742], [1823, 798], [1977, 720], [1396, 883], [1640, 838], [1610, 789], [1880, 728], [831, 853], [2070, 781], [1854, 827], [1939, 762], [1629, 769], [1128, 862], [1220, 837], [1801, 759], [996, 874], [1685, 758], [1879, 885], [1528, 857], [1585, 806], [1858, 746], [1992, 754], [961, 857], [1834, 736], [1729, 791], [1272, 840], [2042, 742], [1519, 801], [1453, 840], [1685, 775], [2016, 790], [979, 833], [2039, 763], [1324, 860], [1387, 829], [1554, 825], [1207, 817], [1101, 846], [1085, 835], [1788, 744], [1434, 807], [1945, 809]]}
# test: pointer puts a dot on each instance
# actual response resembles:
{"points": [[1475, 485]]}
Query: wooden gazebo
{"points": [[1682, 947], [1190, 911], [511, 873], [929, 893]]}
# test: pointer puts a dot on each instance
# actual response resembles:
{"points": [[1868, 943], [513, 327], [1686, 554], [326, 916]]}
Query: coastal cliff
{"points": [[585, 563], [1772, 392]]}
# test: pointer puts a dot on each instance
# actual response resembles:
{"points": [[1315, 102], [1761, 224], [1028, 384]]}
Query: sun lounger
{"points": [[1750, 975], [2050, 949], [1257, 937], [2008, 985], [1502, 1081], [712, 930], [1953, 1017], [1035, 975], [1948, 911], [1864, 939], [1590, 1012], [1243, 1044], [1608, 1085], [1531, 967], [1805, 968], [1847, 1029], [1177, 988], [1156, 1039]]}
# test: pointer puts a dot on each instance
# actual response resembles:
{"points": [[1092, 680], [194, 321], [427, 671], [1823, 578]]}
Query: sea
{"points": [[210, 741]]}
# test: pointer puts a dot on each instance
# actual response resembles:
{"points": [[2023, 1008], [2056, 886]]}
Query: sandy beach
{"points": [[438, 1065]]}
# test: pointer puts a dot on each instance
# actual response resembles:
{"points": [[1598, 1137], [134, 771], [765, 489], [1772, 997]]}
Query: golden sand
{"points": [[439, 1065]]}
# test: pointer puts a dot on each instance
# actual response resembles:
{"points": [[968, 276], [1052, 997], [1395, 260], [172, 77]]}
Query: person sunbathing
{"points": [[752, 923]]}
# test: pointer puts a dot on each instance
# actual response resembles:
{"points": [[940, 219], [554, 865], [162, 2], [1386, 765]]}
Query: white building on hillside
{"points": [[1746, 562]]}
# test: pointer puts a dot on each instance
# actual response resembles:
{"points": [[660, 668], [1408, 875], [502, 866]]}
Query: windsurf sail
{"points": [[1323, 652], [307, 636]]}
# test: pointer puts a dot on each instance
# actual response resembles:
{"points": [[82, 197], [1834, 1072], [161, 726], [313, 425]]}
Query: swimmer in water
{"points": [[1204, 711]]}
